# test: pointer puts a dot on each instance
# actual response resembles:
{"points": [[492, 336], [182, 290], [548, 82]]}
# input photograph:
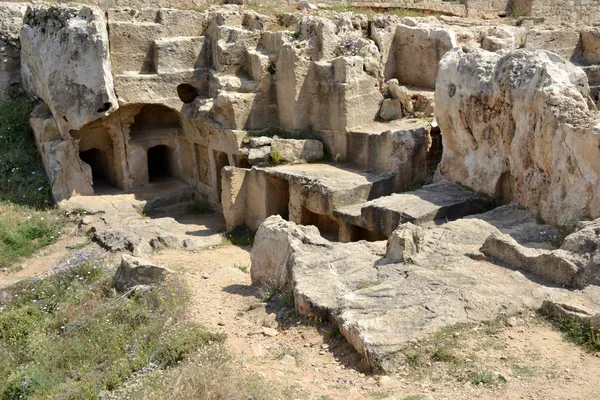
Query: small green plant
{"points": [[413, 357], [276, 158], [201, 206], [335, 331], [268, 292], [578, 332], [181, 340], [286, 299], [243, 267], [482, 378], [415, 397], [443, 354], [240, 236], [288, 351]]}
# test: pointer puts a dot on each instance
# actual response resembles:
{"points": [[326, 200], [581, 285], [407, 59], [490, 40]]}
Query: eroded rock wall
{"points": [[518, 126], [65, 60]]}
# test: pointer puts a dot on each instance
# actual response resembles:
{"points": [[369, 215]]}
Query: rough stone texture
{"points": [[404, 242], [135, 271], [390, 109], [439, 201], [118, 223], [65, 60], [292, 150], [272, 250], [517, 121], [11, 19], [418, 51], [381, 306], [557, 266]]}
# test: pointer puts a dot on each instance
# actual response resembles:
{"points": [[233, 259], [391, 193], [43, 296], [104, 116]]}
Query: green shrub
{"points": [[482, 378], [275, 156]]}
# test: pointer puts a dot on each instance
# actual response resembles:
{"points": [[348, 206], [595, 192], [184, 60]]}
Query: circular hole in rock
{"points": [[187, 93], [105, 107]]}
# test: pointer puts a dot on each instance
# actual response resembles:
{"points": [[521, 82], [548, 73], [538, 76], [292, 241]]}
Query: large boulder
{"points": [[405, 242], [274, 246], [517, 126], [65, 61], [417, 52], [291, 150], [135, 271]]}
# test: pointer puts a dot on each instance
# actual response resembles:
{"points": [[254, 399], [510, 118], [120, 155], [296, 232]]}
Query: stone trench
{"points": [[403, 174]]}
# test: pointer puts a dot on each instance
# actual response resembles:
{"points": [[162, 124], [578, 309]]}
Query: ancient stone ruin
{"points": [[403, 173]]}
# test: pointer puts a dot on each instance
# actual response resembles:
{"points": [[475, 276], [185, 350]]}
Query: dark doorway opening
{"points": [[98, 161], [435, 150], [328, 226], [278, 197], [159, 163], [360, 233]]}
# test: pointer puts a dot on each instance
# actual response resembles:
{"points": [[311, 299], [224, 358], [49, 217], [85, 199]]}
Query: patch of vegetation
{"points": [[578, 332], [275, 156], [522, 370], [240, 236], [70, 335], [22, 176], [268, 292], [27, 220], [245, 268], [288, 351], [442, 347], [415, 397], [210, 374], [24, 230], [482, 378], [201, 206]]}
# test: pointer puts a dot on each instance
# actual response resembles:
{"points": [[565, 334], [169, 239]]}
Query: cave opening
{"points": [[98, 161], [159, 163]]}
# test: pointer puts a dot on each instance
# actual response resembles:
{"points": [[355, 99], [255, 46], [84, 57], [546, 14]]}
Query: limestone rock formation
{"points": [[65, 60], [11, 20], [517, 126], [135, 271], [291, 150], [404, 242], [380, 305]]}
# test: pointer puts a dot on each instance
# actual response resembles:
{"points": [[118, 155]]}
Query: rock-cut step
{"points": [[377, 219]]}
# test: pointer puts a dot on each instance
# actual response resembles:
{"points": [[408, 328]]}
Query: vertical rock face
{"points": [[65, 61], [11, 19], [517, 126], [418, 50]]}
